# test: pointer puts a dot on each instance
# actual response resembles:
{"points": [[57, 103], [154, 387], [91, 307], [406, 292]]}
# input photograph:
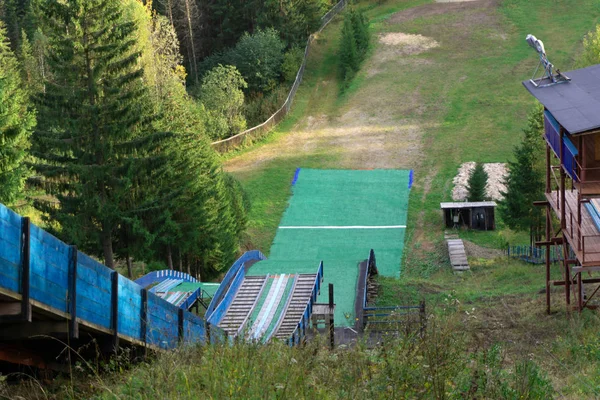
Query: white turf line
{"points": [[346, 227]]}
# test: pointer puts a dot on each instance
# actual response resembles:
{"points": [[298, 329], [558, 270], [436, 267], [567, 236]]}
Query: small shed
{"points": [[474, 215]]}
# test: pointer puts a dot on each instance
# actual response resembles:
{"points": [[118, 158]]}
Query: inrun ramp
{"points": [[337, 216]]}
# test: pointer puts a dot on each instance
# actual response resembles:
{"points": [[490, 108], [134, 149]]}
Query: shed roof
{"points": [[574, 104], [468, 204]]}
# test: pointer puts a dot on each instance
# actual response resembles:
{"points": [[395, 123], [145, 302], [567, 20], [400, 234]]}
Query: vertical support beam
{"points": [[548, 239], [567, 274], [25, 268], [180, 325], [73, 325], [144, 318], [208, 332], [422, 317], [548, 169], [114, 314], [331, 309], [579, 292], [581, 157], [563, 218]]}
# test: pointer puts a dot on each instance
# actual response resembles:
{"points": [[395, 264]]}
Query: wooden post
{"points": [[180, 325], [114, 315], [563, 218], [567, 275], [422, 317], [548, 238], [25, 268], [331, 310], [579, 292], [73, 325], [144, 318]]}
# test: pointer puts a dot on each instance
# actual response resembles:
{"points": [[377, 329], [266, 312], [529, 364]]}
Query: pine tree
{"points": [[477, 183], [525, 180], [95, 142], [348, 55], [16, 124], [360, 25]]}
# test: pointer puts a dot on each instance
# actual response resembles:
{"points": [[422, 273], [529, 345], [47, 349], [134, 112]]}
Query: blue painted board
{"points": [[10, 249], [194, 329], [129, 307], [49, 275], [162, 322]]}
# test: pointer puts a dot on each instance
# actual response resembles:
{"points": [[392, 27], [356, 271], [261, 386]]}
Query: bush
{"points": [[259, 107], [258, 57], [292, 60], [222, 96]]}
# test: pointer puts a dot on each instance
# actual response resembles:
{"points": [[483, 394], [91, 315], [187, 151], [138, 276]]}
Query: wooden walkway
{"points": [[584, 241], [458, 255]]}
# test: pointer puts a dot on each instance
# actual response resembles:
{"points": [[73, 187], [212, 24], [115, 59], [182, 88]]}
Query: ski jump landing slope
{"points": [[337, 216]]}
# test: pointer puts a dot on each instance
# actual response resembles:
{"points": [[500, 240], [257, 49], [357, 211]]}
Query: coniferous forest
{"points": [[108, 108]]}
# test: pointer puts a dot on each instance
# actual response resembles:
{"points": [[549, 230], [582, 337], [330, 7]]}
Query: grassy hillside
{"points": [[441, 86]]}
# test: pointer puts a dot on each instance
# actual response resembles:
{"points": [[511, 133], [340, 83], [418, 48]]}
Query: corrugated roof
{"points": [[468, 204], [574, 104]]}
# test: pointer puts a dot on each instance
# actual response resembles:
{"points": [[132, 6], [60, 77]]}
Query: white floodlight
{"points": [[552, 78]]}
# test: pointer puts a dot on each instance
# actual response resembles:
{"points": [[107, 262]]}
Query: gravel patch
{"points": [[495, 185], [409, 43]]}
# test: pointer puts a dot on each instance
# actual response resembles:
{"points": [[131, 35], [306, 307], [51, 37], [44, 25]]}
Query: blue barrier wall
{"points": [[230, 275], [140, 316]]}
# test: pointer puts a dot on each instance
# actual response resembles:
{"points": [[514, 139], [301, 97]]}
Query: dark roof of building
{"points": [[574, 104], [467, 204]]}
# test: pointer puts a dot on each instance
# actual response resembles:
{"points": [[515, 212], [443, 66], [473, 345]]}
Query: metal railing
{"points": [[232, 142], [390, 316]]}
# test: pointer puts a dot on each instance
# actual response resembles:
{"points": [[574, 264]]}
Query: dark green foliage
{"points": [[222, 95], [16, 123], [525, 181], [477, 183], [258, 57], [95, 144], [292, 60], [353, 45], [349, 60]]}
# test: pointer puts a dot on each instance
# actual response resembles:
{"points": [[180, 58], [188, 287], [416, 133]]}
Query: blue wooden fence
{"points": [[41, 271], [253, 255]]}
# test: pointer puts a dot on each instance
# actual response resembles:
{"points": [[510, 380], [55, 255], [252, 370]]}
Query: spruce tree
{"points": [[348, 55], [16, 123], [477, 183], [525, 180], [95, 142]]}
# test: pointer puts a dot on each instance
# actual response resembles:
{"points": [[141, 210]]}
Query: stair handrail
{"points": [[230, 275], [295, 338], [221, 309]]}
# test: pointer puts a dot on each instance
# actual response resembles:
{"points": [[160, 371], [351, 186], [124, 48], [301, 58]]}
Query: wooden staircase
{"points": [[242, 304], [457, 253], [297, 306]]}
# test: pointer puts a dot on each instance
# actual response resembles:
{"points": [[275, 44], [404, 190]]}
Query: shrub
{"points": [[292, 59]]}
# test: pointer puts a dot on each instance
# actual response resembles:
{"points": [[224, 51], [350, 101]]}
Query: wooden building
{"points": [[473, 215], [572, 134]]}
